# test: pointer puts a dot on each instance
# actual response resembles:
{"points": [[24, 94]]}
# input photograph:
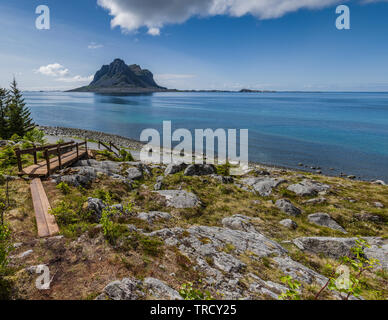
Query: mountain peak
{"points": [[121, 78]]}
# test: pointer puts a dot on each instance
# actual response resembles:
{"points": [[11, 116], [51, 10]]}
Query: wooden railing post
{"points": [[59, 157], [35, 157], [77, 148], [47, 156], [18, 156], [86, 148]]}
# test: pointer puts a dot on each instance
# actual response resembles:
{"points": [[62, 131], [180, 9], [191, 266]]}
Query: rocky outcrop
{"points": [[288, 223], [287, 207], [263, 186], [308, 188], [173, 168], [341, 247], [160, 291], [200, 170], [179, 198], [324, 220], [133, 289], [153, 216], [238, 222]]}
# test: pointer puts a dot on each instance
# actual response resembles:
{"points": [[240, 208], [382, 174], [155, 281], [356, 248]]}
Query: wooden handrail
{"points": [[50, 146], [109, 148], [54, 149]]}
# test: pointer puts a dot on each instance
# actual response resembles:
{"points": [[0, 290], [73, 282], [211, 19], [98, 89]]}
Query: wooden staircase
{"points": [[45, 221]]}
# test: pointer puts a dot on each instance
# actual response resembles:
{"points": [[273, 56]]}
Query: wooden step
{"points": [[45, 221]]}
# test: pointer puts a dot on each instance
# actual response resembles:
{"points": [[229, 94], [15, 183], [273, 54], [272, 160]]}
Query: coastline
{"points": [[136, 145]]}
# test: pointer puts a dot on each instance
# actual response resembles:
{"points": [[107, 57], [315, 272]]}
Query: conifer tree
{"points": [[19, 116], [4, 132]]}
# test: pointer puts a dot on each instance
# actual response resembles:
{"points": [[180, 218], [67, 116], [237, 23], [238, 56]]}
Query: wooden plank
{"points": [[44, 220], [43, 230]]}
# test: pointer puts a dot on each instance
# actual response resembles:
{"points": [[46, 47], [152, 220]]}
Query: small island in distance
{"points": [[120, 78]]}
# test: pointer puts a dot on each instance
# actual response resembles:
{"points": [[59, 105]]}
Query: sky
{"points": [[198, 44]]}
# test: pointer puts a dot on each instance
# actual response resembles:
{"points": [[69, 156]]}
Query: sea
{"points": [[338, 132]]}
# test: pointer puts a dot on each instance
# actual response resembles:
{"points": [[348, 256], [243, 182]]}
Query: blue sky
{"points": [[249, 44]]}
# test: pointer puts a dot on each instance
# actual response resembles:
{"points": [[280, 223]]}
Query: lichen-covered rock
{"points": [[288, 223], [200, 170], [159, 183], [159, 290], [153, 216], [324, 220], [238, 222], [337, 248], [223, 179], [298, 271], [134, 174], [308, 188], [179, 198], [126, 289], [287, 207], [263, 186], [173, 168], [95, 206]]}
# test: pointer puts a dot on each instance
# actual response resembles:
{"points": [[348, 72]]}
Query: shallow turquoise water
{"points": [[345, 131]]}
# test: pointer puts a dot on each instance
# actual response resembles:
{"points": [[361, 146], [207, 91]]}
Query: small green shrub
{"points": [[126, 155], [64, 214], [293, 292], [223, 169], [188, 292], [63, 187], [35, 135], [16, 138], [7, 157]]}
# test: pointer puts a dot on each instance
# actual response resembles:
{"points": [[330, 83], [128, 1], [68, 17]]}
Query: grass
{"points": [[134, 254]]}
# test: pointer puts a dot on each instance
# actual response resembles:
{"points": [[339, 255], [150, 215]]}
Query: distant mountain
{"points": [[118, 77]]}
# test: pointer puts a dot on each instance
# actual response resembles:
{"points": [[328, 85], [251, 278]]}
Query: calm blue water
{"points": [[345, 131]]}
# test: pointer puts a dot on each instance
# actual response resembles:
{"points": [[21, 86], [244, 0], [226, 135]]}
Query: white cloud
{"points": [[61, 73], [54, 70], [154, 31], [94, 45], [131, 15]]}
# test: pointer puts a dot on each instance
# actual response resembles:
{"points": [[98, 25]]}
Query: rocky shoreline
{"points": [[137, 145], [92, 135]]}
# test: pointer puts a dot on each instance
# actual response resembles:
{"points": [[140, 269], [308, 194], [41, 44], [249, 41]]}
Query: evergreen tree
{"points": [[4, 132], [19, 116]]}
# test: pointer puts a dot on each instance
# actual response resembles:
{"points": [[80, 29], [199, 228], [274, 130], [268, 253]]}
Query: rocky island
{"points": [[118, 77]]}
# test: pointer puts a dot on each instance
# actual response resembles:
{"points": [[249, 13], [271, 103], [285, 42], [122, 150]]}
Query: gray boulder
{"points": [[95, 206], [341, 247], [223, 179], [263, 186], [134, 174], [173, 168], [153, 216], [287, 207], [126, 289], [238, 222], [288, 223], [159, 290], [308, 188], [378, 204], [179, 198], [200, 170], [159, 183], [324, 220]]}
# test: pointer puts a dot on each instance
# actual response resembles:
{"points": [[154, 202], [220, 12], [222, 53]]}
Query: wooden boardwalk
{"points": [[44, 220], [57, 157], [40, 169]]}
